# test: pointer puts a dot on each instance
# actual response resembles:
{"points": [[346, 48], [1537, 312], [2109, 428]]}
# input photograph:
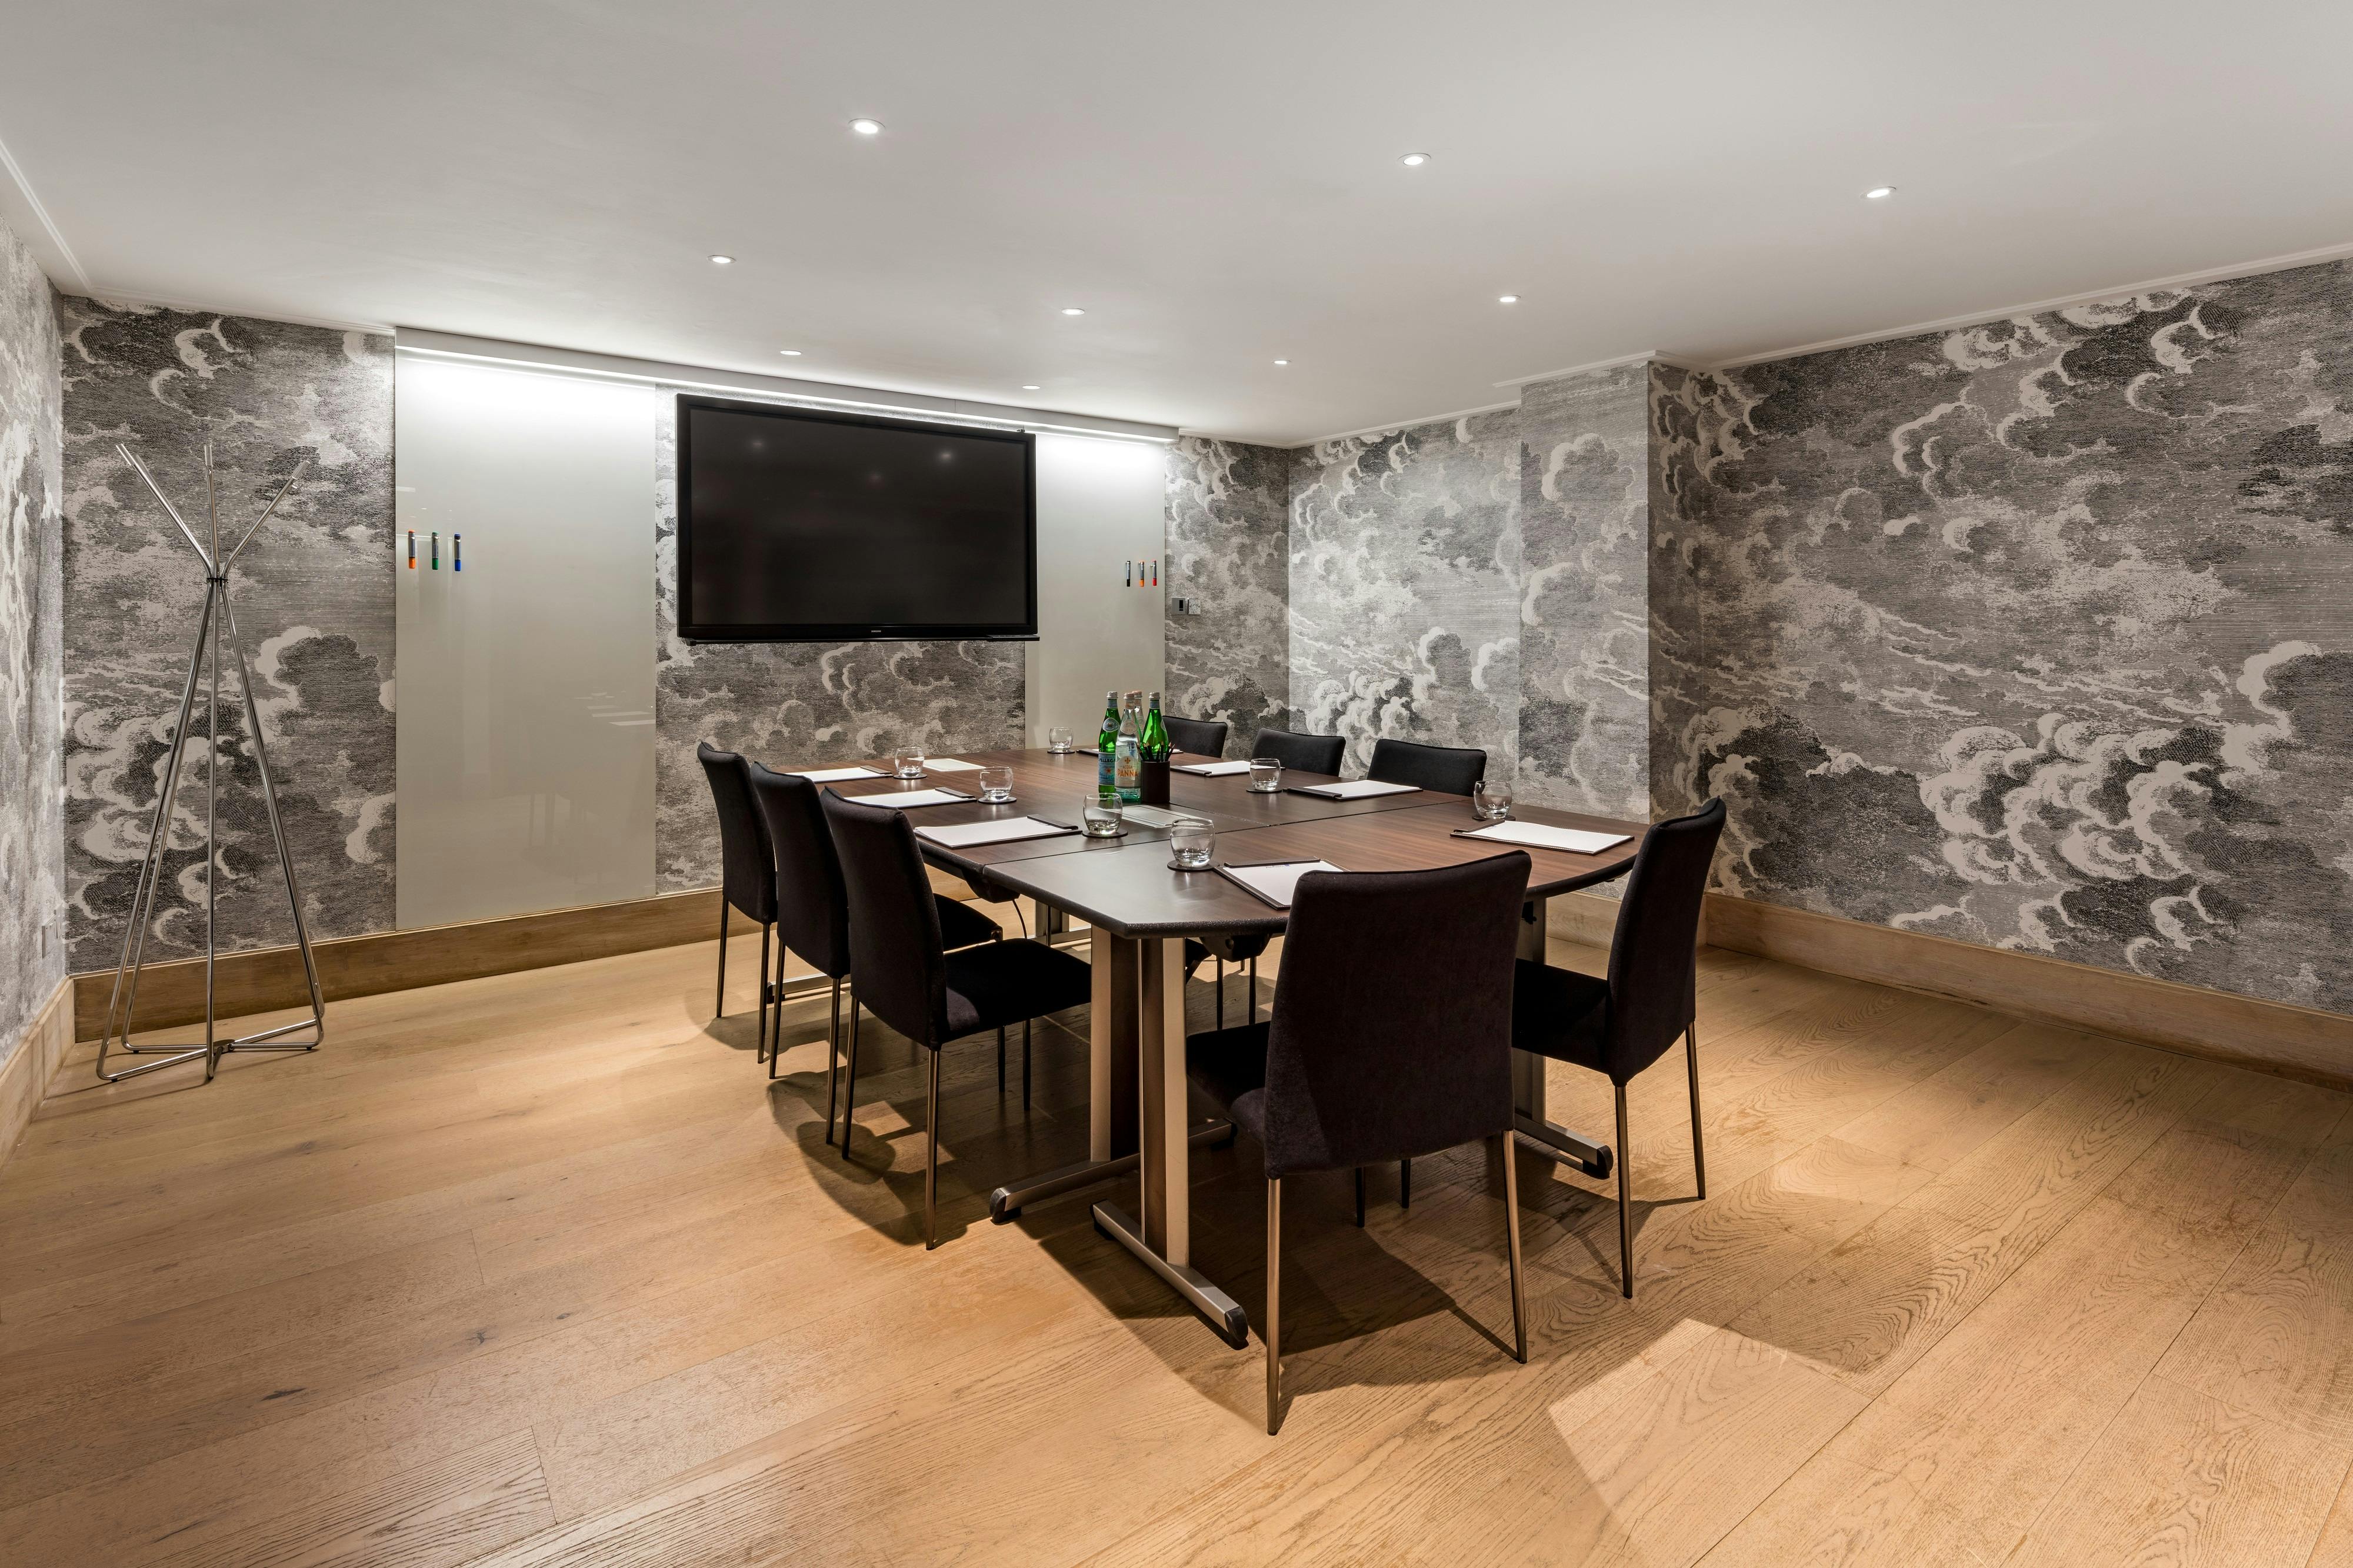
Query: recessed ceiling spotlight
{"points": [[1029, 387], [723, 261], [790, 354], [1878, 193], [1283, 362], [866, 127], [1507, 299], [1073, 311], [1414, 160]]}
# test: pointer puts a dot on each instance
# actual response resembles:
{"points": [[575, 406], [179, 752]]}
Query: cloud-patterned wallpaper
{"points": [[2040, 633], [795, 703], [1229, 550], [313, 596], [1405, 587], [32, 807]]}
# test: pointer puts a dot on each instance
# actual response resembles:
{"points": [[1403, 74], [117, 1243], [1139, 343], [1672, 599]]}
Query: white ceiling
{"points": [[1217, 183]]}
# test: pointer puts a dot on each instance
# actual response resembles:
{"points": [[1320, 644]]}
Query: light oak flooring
{"points": [[539, 1269]]}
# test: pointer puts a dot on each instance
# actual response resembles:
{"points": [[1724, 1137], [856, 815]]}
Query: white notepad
{"points": [[1538, 835], [903, 799], [835, 775], [1276, 883], [966, 835], [1211, 770], [1356, 789], [952, 765]]}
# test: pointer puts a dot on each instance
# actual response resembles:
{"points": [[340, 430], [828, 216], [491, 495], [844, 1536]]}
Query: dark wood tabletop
{"points": [[1126, 886], [1057, 788]]}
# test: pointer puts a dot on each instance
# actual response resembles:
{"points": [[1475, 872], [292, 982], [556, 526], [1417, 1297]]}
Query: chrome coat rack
{"points": [[214, 625]]}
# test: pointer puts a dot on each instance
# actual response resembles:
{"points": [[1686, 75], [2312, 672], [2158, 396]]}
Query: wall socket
{"points": [[1184, 604]]}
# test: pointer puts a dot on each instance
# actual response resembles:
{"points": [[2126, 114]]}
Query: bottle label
{"points": [[1128, 771]]}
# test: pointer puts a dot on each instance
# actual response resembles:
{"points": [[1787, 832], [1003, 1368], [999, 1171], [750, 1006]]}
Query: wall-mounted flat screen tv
{"points": [[800, 526]]}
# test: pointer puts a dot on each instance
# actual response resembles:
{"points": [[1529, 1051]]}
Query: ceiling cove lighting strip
{"points": [[564, 363]]}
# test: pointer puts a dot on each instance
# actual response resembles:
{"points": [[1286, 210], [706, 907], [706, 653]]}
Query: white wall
{"points": [[1100, 503], [526, 687]]}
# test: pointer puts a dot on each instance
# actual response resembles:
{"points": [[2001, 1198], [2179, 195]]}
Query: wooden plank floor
{"points": [[539, 1270]]}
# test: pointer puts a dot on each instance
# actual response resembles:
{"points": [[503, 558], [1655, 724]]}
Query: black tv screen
{"points": [[798, 526]]}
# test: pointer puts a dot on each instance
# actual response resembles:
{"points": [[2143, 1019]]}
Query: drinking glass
{"points": [[907, 762], [1266, 775], [997, 785], [1058, 740], [1191, 842], [1490, 800], [1101, 817]]}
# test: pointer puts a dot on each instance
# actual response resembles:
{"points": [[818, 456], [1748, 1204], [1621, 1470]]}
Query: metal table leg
{"points": [[1536, 1131], [1164, 1241], [1111, 1092]]}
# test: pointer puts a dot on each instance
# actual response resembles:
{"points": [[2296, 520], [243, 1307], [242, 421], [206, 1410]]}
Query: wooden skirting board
{"points": [[24, 1076], [2296, 1042], [265, 979], [2275, 1037]]}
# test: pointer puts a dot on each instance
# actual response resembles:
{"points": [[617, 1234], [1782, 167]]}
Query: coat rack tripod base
{"points": [[216, 627]]}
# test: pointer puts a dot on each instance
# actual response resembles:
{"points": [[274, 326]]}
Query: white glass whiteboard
{"points": [[525, 681]]}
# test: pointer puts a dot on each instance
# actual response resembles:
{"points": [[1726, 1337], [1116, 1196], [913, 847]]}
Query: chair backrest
{"points": [[895, 953], [812, 907], [1391, 1032], [1307, 754], [1202, 737], [747, 876], [1653, 969], [1449, 770]]}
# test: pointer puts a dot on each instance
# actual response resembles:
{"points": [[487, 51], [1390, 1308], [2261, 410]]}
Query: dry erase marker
{"points": [[412, 550], [435, 545], [1130, 581], [457, 556]]}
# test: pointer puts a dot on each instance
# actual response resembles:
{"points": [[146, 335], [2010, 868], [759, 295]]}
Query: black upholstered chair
{"points": [[813, 910], [1202, 737], [906, 976], [1306, 754], [747, 874], [1449, 770], [1621, 1025], [1363, 1062]]}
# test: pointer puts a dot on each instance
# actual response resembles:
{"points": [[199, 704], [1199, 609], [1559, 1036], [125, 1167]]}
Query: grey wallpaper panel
{"points": [[1585, 604], [1229, 550], [313, 596], [2040, 633], [796, 704], [1405, 587], [32, 806]]}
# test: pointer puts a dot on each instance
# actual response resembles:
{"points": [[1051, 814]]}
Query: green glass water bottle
{"points": [[1107, 748], [1154, 741]]}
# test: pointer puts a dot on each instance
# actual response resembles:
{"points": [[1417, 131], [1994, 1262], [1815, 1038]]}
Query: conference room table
{"points": [[1139, 910]]}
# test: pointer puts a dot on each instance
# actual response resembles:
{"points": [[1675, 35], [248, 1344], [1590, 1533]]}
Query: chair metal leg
{"points": [[932, 1157], [1250, 1015], [765, 928], [1699, 1155], [1222, 992], [1509, 1145], [1405, 1183], [832, 1060], [849, 1077], [1000, 1059], [1271, 1329], [719, 1005], [1625, 1197], [1025, 1067], [1360, 1198]]}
